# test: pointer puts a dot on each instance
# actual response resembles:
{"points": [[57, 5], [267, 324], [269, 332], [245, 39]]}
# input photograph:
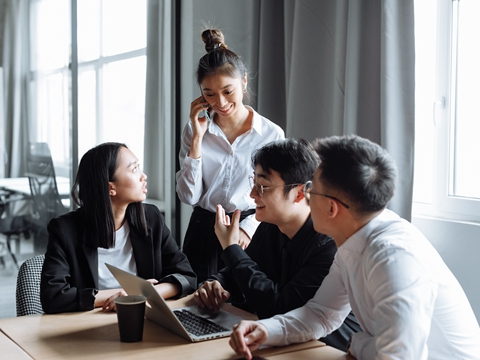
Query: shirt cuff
{"points": [[249, 225], [274, 330], [191, 167], [185, 287], [232, 255]]}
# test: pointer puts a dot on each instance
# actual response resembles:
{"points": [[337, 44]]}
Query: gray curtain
{"points": [[159, 106], [322, 68], [16, 68], [358, 77]]}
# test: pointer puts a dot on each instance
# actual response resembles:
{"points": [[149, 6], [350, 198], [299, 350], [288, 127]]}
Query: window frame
{"points": [[445, 205], [40, 124]]}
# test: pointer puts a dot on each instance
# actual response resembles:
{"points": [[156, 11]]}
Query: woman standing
{"points": [[111, 226], [216, 148]]}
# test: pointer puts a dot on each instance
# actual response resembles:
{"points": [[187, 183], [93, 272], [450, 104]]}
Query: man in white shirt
{"points": [[408, 303]]}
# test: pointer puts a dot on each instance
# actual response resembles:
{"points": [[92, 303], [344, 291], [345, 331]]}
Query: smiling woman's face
{"points": [[130, 182], [224, 94]]}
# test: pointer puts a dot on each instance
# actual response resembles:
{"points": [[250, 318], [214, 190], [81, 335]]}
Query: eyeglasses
{"points": [[260, 189], [307, 191]]}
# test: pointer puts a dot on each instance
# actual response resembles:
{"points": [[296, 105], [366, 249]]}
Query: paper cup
{"points": [[131, 316]]}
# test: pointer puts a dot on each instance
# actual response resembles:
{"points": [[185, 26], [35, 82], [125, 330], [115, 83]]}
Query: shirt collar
{"points": [[303, 236], [358, 241], [256, 123]]}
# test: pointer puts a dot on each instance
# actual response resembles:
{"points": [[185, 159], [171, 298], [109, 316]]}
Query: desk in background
{"points": [[21, 185], [94, 334], [18, 206]]}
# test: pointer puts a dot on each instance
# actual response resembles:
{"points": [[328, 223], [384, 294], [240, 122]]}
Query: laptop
{"points": [[192, 322]]}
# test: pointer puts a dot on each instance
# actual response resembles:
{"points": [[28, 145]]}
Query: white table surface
{"points": [[20, 185]]}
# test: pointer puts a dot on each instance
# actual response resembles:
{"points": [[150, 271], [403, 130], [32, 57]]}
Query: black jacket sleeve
{"points": [[171, 264], [66, 283], [267, 291]]}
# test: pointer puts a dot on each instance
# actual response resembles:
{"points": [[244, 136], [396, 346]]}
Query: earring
{"points": [[112, 192]]}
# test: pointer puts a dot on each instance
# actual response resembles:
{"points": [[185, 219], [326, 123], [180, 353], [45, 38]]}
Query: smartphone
{"points": [[205, 112]]}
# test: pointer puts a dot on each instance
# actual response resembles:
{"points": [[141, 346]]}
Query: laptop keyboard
{"points": [[198, 325]]}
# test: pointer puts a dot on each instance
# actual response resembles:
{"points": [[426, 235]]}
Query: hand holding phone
{"points": [[205, 113], [199, 116]]}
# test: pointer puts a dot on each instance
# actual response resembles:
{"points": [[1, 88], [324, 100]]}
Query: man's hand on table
{"points": [[211, 295]]}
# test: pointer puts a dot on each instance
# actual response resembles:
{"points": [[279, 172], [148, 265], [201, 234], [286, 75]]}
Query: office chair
{"points": [[11, 226], [28, 286], [46, 199]]}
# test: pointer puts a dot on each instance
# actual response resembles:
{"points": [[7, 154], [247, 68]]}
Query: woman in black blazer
{"points": [[112, 226]]}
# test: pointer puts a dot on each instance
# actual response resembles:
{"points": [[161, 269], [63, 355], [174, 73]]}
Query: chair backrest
{"points": [[28, 286], [43, 183], [11, 223], [3, 205]]}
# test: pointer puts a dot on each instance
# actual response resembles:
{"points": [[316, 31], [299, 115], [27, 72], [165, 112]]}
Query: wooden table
{"points": [[94, 334], [10, 350]]}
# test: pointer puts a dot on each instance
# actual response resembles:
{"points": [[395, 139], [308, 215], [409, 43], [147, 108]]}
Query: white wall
{"points": [[459, 245]]}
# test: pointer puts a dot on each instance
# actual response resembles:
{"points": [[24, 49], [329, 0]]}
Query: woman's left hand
{"points": [[109, 304]]}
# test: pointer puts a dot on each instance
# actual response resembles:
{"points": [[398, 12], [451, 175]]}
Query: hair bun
{"points": [[213, 39]]}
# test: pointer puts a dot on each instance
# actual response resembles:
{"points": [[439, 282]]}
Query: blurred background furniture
{"points": [[28, 286], [28, 203], [12, 224], [46, 199]]}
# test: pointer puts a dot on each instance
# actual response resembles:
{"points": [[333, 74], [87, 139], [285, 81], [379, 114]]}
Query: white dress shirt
{"points": [[408, 303], [220, 175]]}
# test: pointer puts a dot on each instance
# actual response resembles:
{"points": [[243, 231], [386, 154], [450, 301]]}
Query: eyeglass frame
{"points": [[307, 191], [260, 189]]}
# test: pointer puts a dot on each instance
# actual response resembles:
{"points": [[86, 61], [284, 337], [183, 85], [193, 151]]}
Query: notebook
{"points": [[192, 322]]}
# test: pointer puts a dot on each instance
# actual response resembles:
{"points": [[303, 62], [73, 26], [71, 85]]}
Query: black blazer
{"points": [[69, 279]]}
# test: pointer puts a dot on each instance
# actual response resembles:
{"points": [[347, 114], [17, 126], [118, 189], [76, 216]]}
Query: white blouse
{"points": [[220, 175], [120, 256]]}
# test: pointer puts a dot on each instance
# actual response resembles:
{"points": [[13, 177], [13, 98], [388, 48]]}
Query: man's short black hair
{"points": [[294, 159], [359, 169]]}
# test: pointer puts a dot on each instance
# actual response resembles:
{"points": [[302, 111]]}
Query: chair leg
{"points": [[14, 258]]}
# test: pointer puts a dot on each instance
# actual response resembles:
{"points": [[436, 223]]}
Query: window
{"points": [[50, 79], [111, 43], [111, 73], [447, 123]]}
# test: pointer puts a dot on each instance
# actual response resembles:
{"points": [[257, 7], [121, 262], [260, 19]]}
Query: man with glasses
{"points": [[287, 259], [409, 304]]}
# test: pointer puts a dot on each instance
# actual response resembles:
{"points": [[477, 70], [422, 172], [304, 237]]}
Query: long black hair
{"points": [[91, 192]]}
